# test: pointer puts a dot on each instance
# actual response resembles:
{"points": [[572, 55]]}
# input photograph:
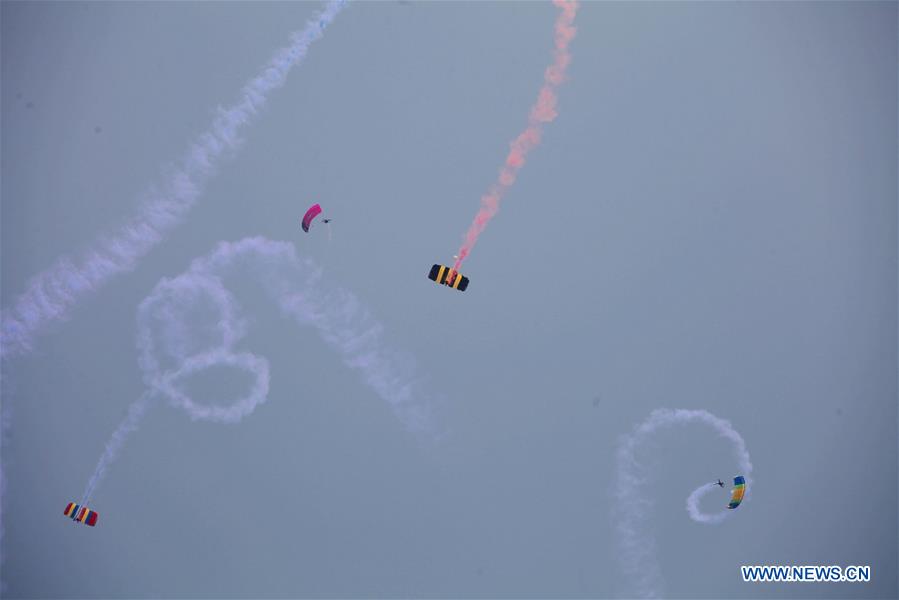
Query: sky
{"points": [[709, 224]]}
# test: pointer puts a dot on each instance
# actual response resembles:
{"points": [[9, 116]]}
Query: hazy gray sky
{"points": [[710, 223]]}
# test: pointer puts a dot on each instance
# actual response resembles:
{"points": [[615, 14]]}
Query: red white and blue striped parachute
{"points": [[81, 514]]}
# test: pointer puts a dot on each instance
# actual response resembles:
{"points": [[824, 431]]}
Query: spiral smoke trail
{"points": [[50, 295], [636, 545], [544, 111], [171, 349]]}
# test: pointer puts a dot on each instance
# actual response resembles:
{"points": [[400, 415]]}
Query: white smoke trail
{"points": [[135, 413], [696, 513], [637, 547], [170, 350], [51, 294], [5, 420]]}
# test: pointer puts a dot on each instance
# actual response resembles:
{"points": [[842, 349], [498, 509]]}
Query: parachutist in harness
{"points": [[719, 483]]}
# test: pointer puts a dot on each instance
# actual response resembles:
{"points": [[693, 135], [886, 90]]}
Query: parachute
{"points": [[313, 212], [736, 494], [81, 514], [448, 277]]}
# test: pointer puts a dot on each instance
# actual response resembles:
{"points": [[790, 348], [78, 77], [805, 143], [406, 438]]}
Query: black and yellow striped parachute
{"points": [[448, 277]]}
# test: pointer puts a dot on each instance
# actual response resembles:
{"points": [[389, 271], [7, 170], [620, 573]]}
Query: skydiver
{"points": [[719, 483], [327, 220]]}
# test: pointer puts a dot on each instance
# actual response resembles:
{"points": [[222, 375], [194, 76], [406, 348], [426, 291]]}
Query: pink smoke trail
{"points": [[544, 111]]}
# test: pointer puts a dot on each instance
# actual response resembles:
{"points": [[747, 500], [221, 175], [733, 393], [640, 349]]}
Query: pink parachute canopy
{"points": [[313, 212]]}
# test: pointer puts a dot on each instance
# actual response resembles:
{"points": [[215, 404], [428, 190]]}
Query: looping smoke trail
{"points": [[50, 295], [170, 350], [696, 513], [544, 111], [637, 548]]}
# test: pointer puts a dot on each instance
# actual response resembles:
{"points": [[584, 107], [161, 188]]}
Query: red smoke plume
{"points": [[542, 112]]}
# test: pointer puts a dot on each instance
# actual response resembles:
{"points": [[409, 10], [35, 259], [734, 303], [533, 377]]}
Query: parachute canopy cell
{"points": [[82, 514], [313, 212], [448, 277], [736, 494]]}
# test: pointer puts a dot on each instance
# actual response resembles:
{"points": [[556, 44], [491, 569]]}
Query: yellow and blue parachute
{"points": [[736, 494]]}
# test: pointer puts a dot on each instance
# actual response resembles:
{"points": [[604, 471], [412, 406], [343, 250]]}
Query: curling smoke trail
{"points": [[696, 513], [170, 350], [542, 112], [637, 549], [50, 295]]}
